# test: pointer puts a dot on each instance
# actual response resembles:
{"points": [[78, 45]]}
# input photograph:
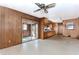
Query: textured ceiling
{"points": [[65, 9]]}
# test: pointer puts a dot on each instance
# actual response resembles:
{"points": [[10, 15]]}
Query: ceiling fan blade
{"points": [[38, 4], [37, 10], [45, 11], [50, 5]]}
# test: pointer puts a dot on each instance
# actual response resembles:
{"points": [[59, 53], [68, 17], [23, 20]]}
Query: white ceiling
{"points": [[65, 9]]}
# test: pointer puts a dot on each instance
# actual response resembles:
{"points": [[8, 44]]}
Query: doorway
{"points": [[34, 31], [29, 30]]}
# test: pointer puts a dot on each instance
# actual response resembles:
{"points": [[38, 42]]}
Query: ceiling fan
{"points": [[44, 7]]}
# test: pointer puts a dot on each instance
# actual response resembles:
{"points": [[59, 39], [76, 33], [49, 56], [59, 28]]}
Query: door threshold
{"points": [[29, 40]]}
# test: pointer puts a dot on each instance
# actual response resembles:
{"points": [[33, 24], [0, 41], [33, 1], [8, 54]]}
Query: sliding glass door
{"points": [[29, 32], [26, 32], [34, 31]]}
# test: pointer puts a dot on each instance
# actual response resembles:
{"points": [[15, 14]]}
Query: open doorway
{"points": [[29, 30]]}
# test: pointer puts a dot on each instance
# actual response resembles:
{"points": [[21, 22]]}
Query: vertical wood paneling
{"points": [[11, 26], [74, 33], [43, 23], [0, 28]]}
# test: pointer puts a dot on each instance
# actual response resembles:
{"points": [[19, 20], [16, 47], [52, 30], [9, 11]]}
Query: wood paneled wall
{"points": [[73, 32], [11, 26], [0, 27], [45, 22]]}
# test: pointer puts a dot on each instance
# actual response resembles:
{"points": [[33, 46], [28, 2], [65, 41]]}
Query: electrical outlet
{"points": [[9, 41]]}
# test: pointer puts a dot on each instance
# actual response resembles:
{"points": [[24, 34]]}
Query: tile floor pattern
{"points": [[56, 45]]}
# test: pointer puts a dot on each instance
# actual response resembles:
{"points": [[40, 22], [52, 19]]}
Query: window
{"points": [[70, 25]]}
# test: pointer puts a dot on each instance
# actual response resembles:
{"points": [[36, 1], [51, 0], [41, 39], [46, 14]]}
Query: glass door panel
{"points": [[34, 31], [26, 32]]}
